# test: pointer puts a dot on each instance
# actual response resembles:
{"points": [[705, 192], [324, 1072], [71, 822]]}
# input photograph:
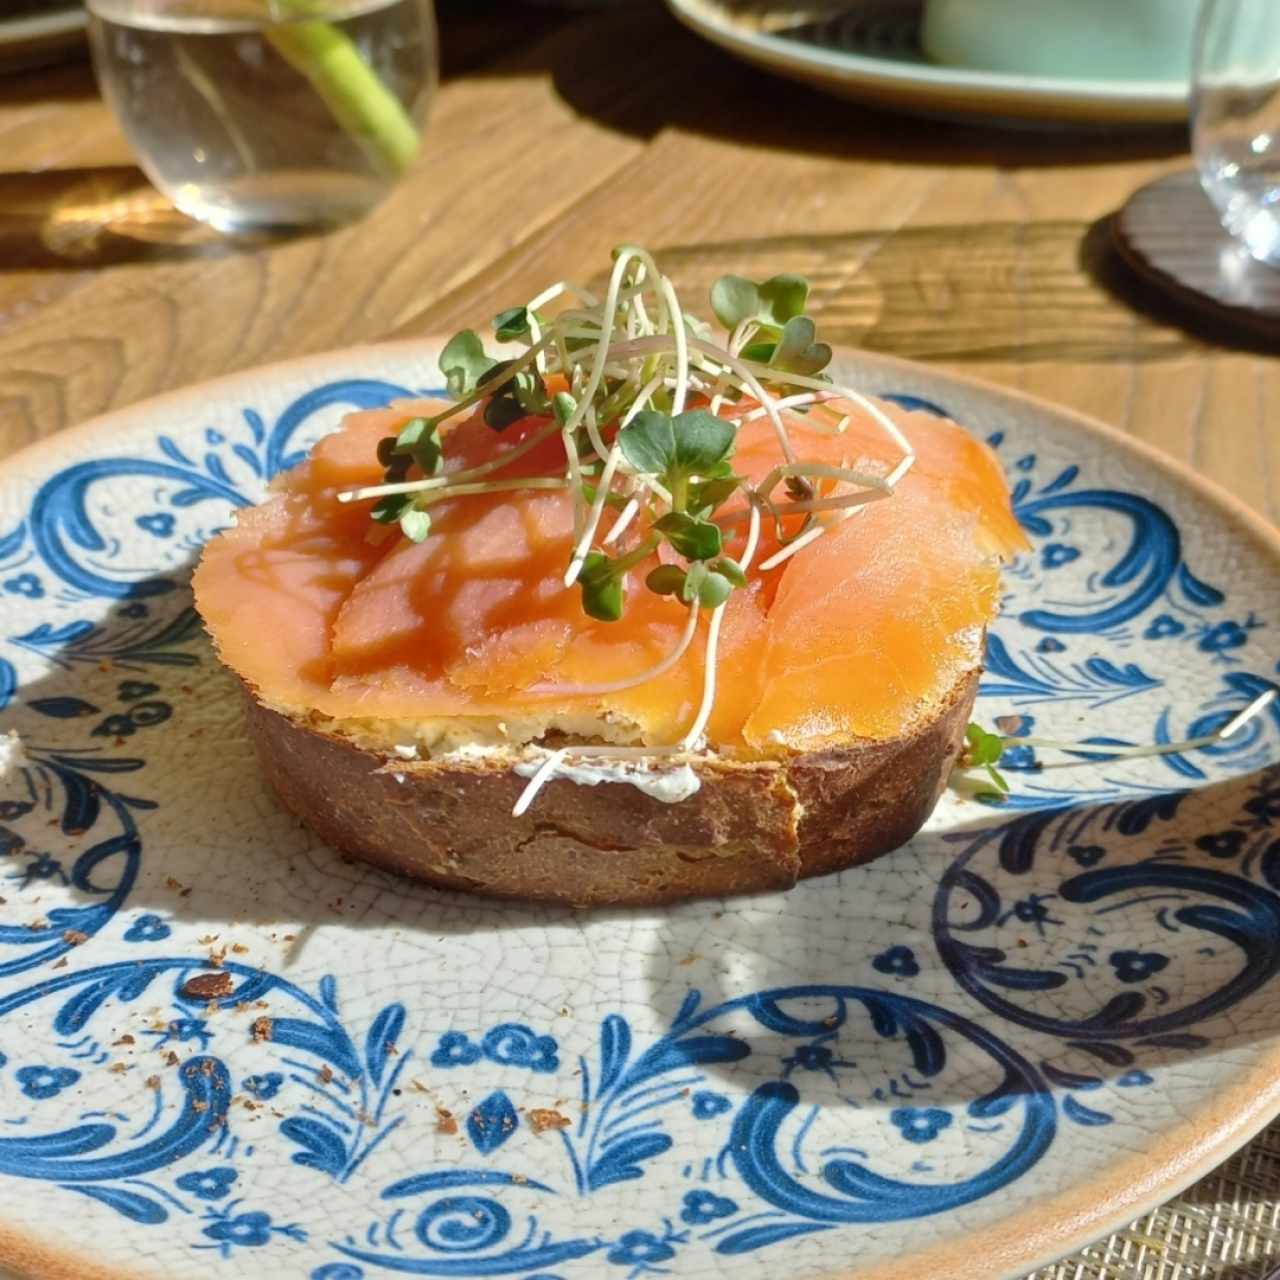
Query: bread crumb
{"points": [[445, 1123], [260, 1029], [543, 1118], [74, 937], [152, 1082], [206, 986]]}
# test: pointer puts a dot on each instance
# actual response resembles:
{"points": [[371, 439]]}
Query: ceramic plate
{"points": [[32, 40], [225, 1050], [871, 52]]}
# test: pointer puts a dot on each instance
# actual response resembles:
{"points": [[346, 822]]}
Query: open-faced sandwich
{"points": [[639, 614]]}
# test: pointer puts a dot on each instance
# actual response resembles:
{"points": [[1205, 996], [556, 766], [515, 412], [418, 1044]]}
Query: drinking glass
{"points": [[253, 114], [1236, 118]]}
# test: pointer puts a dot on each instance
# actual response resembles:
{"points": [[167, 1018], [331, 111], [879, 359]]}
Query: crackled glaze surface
{"points": [[976, 1052]]}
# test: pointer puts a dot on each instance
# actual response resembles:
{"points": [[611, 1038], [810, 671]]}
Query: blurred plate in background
{"points": [[39, 37], [869, 50]]}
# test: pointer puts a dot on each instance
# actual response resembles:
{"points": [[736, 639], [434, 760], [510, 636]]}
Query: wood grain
{"points": [[983, 251]]}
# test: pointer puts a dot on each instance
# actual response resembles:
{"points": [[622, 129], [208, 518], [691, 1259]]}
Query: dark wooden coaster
{"points": [[1169, 231]]}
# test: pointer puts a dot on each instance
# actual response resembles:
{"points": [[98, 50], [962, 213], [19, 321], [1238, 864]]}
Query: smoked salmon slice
{"points": [[324, 614]]}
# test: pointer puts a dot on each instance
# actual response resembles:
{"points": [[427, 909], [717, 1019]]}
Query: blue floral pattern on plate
{"points": [[396, 1082]]}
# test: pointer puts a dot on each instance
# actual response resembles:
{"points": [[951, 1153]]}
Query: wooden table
{"points": [[555, 137]]}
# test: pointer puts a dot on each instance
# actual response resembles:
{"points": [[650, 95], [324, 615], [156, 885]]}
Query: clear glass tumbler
{"points": [[1236, 118], [254, 114]]}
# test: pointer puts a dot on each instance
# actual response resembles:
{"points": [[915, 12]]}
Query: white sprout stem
{"points": [[742, 368], [630, 682], [1228, 730], [625, 517], [587, 536], [816, 428], [607, 318], [583, 545], [553, 761], [501, 486], [839, 391], [468, 473], [787, 402], [535, 336], [717, 391], [553, 291], [821, 469], [812, 535], [562, 347], [541, 776], [454, 490], [574, 468], [807, 538], [593, 431], [753, 538], [699, 725], [738, 338], [668, 294], [744, 371], [840, 502], [638, 323], [905, 463]]}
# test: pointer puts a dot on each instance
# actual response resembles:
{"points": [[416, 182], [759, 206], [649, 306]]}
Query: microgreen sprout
{"points": [[464, 363], [984, 750], [648, 405]]}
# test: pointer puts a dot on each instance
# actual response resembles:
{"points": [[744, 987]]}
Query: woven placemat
{"points": [[1226, 1227]]}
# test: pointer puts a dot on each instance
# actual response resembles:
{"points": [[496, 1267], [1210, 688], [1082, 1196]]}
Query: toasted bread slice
{"points": [[751, 825]]}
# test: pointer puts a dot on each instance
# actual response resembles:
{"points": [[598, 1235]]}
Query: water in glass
{"points": [[268, 113]]}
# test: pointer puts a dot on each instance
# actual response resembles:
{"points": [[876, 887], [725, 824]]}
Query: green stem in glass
{"points": [[350, 88]]}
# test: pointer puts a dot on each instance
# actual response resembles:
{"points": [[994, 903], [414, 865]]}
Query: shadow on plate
{"points": [[1108, 941]]}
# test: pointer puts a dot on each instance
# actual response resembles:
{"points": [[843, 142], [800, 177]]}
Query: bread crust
{"points": [[751, 826]]}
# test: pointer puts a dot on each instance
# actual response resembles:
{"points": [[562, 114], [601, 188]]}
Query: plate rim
{"points": [[1033, 1235], [1070, 98]]}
